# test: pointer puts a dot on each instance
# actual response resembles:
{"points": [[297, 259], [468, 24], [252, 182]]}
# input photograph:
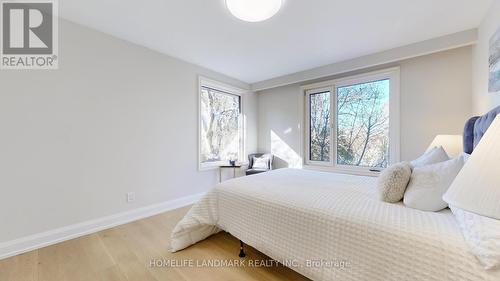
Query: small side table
{"points": [[228, 167]]}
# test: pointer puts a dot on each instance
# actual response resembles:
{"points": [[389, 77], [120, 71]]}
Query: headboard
{"points": [[476, 127]]}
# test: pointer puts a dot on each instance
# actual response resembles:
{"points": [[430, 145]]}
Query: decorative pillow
{"points": [[432, 156], [260, 162], [482, 235], [393, 181], [465, 156], [429, 183]]}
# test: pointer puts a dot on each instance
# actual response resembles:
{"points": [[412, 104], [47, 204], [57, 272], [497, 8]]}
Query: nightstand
{"points": [[228, 167]]}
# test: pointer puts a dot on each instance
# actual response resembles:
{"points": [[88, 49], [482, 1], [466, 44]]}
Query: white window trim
{"points": [[213, 84], [394, 119]]}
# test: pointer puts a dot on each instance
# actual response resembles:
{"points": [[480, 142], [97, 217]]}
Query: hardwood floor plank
{"points": [[51, 263], [22, 267], [146, 246], [69, 261], [94, 252], [112, 274], [124, 253], [115, 240]]}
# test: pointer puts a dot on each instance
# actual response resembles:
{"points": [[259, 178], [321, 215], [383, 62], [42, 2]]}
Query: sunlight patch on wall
{"points": [[284, 152]]}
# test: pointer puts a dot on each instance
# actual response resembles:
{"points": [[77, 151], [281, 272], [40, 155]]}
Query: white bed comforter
{"points": [[300, 216]]}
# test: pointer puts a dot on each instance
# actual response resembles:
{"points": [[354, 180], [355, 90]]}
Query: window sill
{"points": [[356, 172]]}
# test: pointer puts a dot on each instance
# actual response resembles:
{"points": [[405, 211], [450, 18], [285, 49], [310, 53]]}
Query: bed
{"points": [[333, 227]]}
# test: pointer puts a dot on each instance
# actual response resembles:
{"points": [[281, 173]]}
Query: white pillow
{"points": [[482, 235], [465, 156], [393, 181], [260, 162], [429, 183], [432, 156]]}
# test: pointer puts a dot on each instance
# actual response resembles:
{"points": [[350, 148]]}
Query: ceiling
{"points": [[303, 35]]}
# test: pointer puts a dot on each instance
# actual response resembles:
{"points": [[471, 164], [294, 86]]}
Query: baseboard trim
{"points": [[47, 238]]}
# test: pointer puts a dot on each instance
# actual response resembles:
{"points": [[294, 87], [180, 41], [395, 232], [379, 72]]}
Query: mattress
{"points": [[332, 227]]}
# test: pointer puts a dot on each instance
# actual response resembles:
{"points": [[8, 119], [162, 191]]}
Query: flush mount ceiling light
{"points": [[253, 10]]}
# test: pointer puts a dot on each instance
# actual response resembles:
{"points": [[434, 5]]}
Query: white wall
{"points": [[482, 99], [435, 99], [280, 115], [115, 117]]}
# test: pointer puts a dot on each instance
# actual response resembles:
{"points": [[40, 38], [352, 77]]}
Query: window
{"points": [[221, 130], [352, 123], [320, 126]]}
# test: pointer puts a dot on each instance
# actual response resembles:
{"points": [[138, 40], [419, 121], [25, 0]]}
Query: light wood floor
{"points": [[125, 252]]}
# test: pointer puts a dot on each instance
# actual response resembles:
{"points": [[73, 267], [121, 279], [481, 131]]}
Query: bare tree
{"points": [[220, 124], [363, 124], [320, 126]]}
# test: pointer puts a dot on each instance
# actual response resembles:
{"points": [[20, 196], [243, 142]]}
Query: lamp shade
{"points": [[452, 144], [477, 187]]}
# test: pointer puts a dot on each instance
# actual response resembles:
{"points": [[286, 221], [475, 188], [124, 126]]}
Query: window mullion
{"points": [[333, 126]]}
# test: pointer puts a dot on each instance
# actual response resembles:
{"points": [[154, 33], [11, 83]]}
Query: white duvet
{"points": [[332, 227]]}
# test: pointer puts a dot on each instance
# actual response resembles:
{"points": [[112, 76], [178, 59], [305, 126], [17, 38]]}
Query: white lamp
{"points": [[253, 10], [477, 187], [452, 144]]}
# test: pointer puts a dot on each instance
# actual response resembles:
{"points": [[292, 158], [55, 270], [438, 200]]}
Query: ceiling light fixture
{"points": [[253, 10]]}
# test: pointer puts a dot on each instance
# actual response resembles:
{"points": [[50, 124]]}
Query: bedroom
{"points": [[105, 142]]}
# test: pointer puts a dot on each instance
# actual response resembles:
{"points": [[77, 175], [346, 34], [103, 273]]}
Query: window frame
{"points": [[393, 75], [204, 82]]}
